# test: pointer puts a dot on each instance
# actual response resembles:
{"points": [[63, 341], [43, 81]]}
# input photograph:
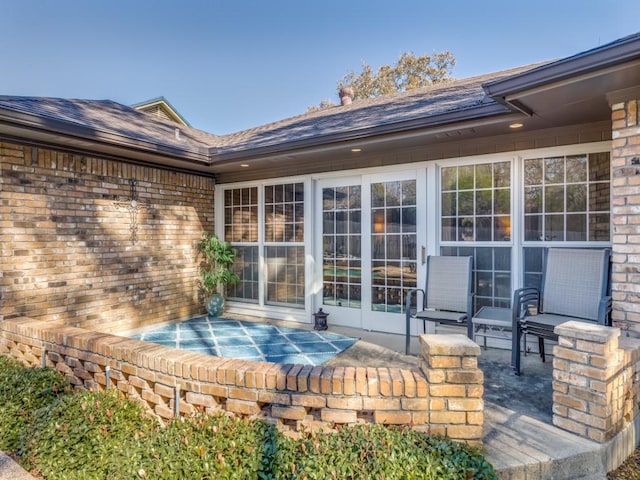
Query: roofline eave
{"points": [[452, 119], [45, 125], [606, 57]]}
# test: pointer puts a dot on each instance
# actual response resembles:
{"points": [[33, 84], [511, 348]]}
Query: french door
{"points": [[369, 239]]}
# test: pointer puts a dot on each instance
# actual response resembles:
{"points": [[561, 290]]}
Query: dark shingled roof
{"points": [[413, 109], [106, 116]]}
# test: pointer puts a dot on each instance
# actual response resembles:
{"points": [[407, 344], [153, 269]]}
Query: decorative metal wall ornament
{"points": [[133, 206]]}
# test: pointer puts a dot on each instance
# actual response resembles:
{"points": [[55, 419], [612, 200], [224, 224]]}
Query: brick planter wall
{"points": [[67, 251], [443, 396], [596, 382]]}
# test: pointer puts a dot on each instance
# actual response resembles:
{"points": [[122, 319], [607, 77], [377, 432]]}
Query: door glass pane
{"points": [[341, 232], [393, 244], [284, 275]]}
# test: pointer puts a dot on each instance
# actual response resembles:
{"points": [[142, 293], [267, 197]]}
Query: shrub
{"points": [[22, 392], [92, 435]]}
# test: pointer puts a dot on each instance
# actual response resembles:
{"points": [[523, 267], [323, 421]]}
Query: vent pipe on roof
{"points": [[346, 95]]}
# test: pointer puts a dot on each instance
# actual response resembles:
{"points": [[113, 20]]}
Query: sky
{"points": [[231, 65]]}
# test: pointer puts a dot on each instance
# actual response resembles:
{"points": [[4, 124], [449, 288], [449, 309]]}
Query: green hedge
{"points": [[100, 435]]}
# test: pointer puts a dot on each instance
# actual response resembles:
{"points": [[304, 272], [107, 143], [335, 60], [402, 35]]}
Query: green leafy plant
{"points": [[218, 256], [23, 391], [62, 434]]}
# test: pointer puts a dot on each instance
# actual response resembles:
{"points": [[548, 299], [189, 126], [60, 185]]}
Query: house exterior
{"points": [[102, 205]]}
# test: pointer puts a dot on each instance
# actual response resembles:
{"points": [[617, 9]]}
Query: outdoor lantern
{"points": [[320, 320]]}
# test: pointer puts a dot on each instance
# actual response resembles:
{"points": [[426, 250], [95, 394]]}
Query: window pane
{"points": [[484, 176], [246, 267], [533, 172], [502, 229], [449, 203], [533, 228], [533, 199], [449, 178], [576, 227], [393, 245], [577, 169], [465, 203], [483, 229], [554, 170], [554, 227], [465, 177], [341, 252], [465, 229], [577, 198], [285, 276], [599, 167], [599, 197], [554, 199], [599, 227], [502, 175], [448, 229], [502, 201], [483, 202]]}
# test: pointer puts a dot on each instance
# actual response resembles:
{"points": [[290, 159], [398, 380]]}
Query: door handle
{"points": [[423, 251]]}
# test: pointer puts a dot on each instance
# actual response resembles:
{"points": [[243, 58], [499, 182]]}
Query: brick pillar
{"points": [[625, 208], [456, 408], [591, 381]]}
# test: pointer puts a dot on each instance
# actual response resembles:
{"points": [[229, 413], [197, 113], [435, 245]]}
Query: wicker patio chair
{"points": [[447, 297], [575, 286]]}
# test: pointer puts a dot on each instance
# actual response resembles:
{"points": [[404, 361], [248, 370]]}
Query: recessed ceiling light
{"points": [[516, 125], [244, 165], [356, 150]]}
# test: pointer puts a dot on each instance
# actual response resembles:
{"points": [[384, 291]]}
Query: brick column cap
{"points": [[448, 345], [587, 331]]}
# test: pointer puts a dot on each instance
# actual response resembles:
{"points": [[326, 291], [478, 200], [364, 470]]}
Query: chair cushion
{"points": [[442, 316]]}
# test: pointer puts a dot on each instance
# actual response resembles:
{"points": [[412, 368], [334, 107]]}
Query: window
{"points": [[476, 208], [284, 244], [393, 244], [341, 252], [476, 203], [241, 230], [566, 198]]}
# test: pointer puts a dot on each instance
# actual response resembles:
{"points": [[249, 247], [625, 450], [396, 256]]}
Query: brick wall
{"points": [[625, 209], [67, 249], [443, 396], [596, 380]]}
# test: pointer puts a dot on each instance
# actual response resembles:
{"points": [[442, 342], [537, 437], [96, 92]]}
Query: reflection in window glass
{"points": [[476, 203], [567, 198], [341, 255], [284, 264], [393, 244], [240, 229]]}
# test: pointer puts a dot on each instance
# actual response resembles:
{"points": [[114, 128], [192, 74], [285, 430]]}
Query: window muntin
{"points": [[475, 203], [393, 244], [241, 230], [567, 198], [341, 246], [284, 244]]}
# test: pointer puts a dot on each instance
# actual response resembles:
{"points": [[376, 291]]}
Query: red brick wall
{"points": [[625, 209], [67, 249]]}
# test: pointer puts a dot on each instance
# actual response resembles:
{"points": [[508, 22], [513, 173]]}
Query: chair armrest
{"points": [[470, 298], [604, 311], [522, 299], [410, 293], [407, 311]]}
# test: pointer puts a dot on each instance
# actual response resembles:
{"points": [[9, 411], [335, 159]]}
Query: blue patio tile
{"points": [[240, 352], [258, 329], [319, 358], [344, 343], [304, 337], [279, 349], [196, 342], [291, 358], [233, 341], [269, 339], [163, 337], [225, 323], [187, 334], [196, 320], [195, 327], [317, 347]]}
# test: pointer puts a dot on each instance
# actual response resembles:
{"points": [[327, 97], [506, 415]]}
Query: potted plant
{"points": [[215, 274]]}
